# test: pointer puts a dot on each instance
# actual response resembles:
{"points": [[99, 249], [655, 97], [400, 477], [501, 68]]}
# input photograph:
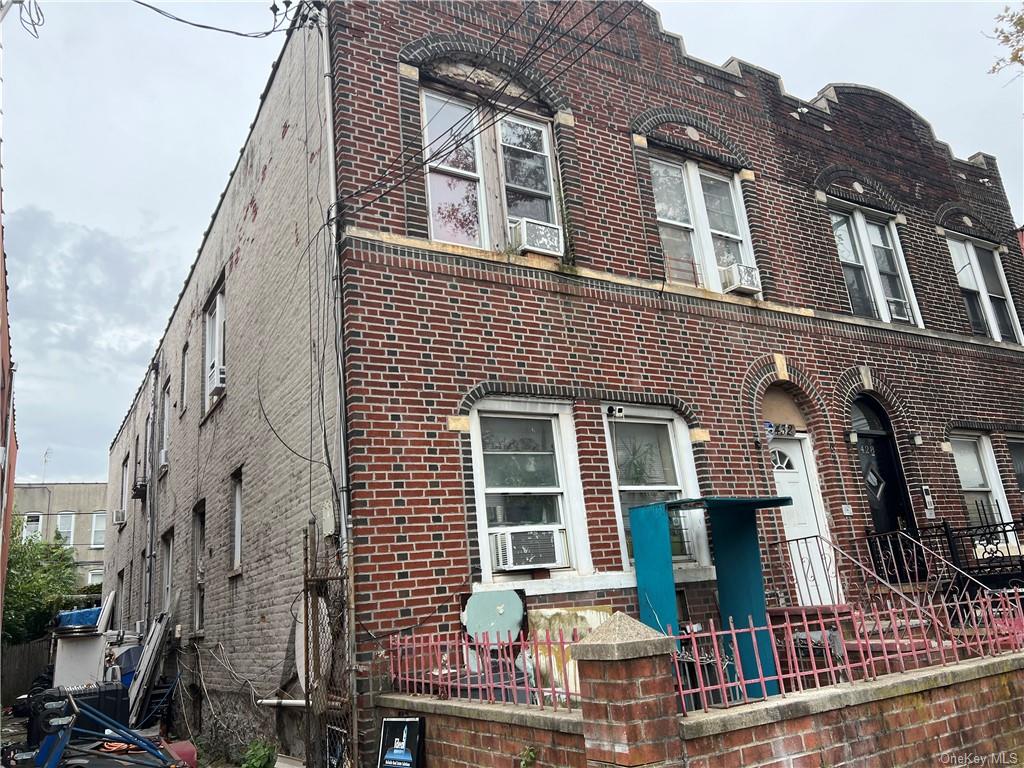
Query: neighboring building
{"points": [[705, 253], [73, 513]]}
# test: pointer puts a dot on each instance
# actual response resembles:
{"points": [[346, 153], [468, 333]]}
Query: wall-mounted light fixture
{"points": [[918, 439], [851, 437]]}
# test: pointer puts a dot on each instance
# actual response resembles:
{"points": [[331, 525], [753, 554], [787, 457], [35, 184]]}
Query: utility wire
{"points": [[279, 21]]}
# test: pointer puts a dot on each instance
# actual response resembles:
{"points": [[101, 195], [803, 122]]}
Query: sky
{"points": [[121, 127]]}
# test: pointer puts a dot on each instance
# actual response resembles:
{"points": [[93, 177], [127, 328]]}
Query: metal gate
{"points": [[327, 664]]}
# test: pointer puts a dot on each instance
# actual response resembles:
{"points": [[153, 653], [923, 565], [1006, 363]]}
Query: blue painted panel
{"points": [[652, 556], [741, 588]]}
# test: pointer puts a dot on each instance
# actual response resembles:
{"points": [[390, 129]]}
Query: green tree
{"points": [[39, 575], [1009, 33]]}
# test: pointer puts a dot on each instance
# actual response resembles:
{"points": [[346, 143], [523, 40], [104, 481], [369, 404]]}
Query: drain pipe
{"points": [[151, 494], [281, 703], [341, 445]]}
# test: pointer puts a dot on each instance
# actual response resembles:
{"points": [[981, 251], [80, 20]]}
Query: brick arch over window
{"points": [[649, 121], [763, 373], [951, 216], [558, 392], [879, 193], [503, 62], [487, 55], [851, 385], [524, 390]]}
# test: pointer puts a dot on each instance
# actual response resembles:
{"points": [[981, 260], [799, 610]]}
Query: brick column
{"points": [[627, 684]]}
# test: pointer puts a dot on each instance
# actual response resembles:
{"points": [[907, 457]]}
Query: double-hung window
{"points": [[652, 461], [165, 423], [126, 489], [98, 534], [874, 270], [487, 174], [529, 504], [980, 487], [703, 227], [215, 330], [32, 527], [1017, 457], [236, 520], [66, 528], [983, 287], [94, 577]]}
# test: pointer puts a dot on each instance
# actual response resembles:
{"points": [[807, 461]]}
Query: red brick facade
{"points": [[431, 331]]}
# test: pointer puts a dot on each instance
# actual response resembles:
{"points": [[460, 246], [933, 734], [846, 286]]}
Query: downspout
{"points": [[151, 500], [341, 443]]}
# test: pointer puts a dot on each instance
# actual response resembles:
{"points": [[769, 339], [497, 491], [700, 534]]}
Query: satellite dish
{"points": [[496, 614]]}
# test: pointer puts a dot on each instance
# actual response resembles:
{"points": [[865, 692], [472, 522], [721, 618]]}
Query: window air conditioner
{"points": [[120, 517], [899, 309], [528, 548], [537, 237], [740, 278], [162, 456], [217, 381]]}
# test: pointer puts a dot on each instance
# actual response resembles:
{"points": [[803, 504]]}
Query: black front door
{"points": [[883, 482]]}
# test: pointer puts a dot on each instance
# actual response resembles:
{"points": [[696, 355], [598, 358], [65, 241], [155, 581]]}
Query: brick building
{"points": [[74, 513], [624, 264]]}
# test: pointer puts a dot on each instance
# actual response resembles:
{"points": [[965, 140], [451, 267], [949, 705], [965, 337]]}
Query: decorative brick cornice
{"points": [[465, 48]]}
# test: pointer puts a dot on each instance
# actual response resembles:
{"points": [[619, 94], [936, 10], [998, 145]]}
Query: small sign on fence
{"points": [[401, 742]]}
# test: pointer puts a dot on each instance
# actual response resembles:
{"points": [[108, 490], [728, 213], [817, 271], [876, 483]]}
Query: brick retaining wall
{"points": [[928, 717]]}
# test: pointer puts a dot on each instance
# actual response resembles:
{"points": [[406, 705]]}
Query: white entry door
{"points": [[812, 557]]}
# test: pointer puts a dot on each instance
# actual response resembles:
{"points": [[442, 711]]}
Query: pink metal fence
{"points": [[799, 649], [534, 668]]}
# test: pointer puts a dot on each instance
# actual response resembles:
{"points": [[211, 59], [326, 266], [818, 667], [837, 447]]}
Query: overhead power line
{"points": [[280, 20]]}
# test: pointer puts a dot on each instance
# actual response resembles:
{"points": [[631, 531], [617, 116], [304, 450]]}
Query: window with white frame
{"points": [[490, 176], [703, 225], [874, 270], [236, 519], [125, 483], [98, 535], [980, 487], [1017, 457], [215, 328], [651, 461], [66, 528], [983, 287], [32, 527], [94, 577], [167, 556], [529, 500], [165, 423], [183, 379]]}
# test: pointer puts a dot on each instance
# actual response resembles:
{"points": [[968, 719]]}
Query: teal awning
{"points": [[732, 503]]}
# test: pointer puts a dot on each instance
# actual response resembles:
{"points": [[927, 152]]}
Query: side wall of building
{"points": [[269, 248]]}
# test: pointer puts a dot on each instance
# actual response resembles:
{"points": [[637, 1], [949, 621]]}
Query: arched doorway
{"points": [[805, 523], [880, 468]]}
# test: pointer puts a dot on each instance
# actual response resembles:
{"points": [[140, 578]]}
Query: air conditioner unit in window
{"points": [[899, 309], [536, 237], [528, 548], [217, 380], [120, 517], [162, 456], [740, 278]]}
